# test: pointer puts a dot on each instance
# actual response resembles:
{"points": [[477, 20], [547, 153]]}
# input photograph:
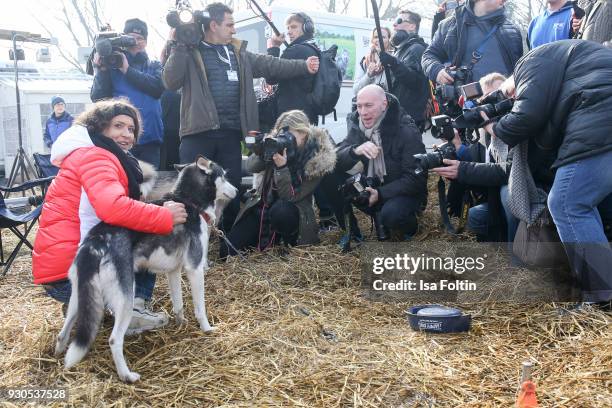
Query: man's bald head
{"points": [[371, 104], [372, 90]]}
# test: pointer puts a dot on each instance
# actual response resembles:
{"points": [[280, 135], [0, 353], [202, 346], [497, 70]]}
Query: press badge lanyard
{"points": [[231, 74]]}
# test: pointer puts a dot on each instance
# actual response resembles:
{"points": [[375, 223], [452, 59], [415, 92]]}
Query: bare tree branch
{"points": [[68, 24], [71, 59], [90, 33]]}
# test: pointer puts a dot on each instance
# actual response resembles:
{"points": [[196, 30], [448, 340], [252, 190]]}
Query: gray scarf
{"points": [[376, 167], [527, 202]]}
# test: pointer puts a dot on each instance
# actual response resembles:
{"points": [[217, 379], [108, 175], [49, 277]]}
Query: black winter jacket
{"points": [[450, 41], [485, 180], [563, 100], [401, 140], [410, 85], [293, 93]]}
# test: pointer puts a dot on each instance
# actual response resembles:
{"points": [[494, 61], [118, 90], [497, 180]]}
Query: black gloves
{"points": [[388, 60]]}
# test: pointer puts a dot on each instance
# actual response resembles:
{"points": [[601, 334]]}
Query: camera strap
{"points": [[443, 204], [477, 53]]}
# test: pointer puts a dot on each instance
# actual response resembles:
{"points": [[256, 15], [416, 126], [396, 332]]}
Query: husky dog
{"points": [[103, 270]]}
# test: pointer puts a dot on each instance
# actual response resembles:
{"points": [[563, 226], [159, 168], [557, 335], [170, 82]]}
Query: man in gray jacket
{"points": [[218, 105]]}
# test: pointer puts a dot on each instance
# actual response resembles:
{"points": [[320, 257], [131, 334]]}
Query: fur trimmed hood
{"points": [[324, 159]]}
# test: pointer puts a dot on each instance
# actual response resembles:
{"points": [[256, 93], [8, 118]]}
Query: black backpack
{"points": [[326, 89]]}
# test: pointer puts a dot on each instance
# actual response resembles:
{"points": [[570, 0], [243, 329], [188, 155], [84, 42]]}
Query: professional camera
{"points": [[187, 22], [435, 159], [110, 46], [442, 128], [448, 95], [266, 147], [354, 189], [494, 105]]}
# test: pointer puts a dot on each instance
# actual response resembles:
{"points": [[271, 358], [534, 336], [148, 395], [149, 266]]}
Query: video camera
{"points": [[110, 46], [354, 189], [187, 22], [266, 148], [448, 95]]}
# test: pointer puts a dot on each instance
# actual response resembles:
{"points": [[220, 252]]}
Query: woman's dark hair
{"points": [[99, 116]]}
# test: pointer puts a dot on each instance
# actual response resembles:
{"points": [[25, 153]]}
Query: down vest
{"points": [[185, 69], [563, 100], [96, 173]]}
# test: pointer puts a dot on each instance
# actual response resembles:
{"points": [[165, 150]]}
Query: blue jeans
{"points": [[144, 284], [580, 201], [478, 219]]}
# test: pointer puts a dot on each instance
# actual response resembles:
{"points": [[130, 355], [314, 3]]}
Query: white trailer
{"points": [[37, 86]]}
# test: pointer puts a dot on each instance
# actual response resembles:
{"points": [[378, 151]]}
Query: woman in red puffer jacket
{"points": [[98, 181]]}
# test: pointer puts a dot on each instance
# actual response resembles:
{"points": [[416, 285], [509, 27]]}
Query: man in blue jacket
{"points": [[555, 23], [58, 121], [139, 80], [479, 36]]}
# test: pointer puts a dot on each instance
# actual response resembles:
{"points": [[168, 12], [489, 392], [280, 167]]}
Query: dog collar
{"points": [[206, 217], [204, 214]]}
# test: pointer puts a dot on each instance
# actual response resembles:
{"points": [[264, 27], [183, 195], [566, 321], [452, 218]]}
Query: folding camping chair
{"points": [[43, 165], [11, 219]]}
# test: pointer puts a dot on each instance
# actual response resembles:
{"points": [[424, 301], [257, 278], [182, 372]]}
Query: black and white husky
{"points": [[102, 273]]}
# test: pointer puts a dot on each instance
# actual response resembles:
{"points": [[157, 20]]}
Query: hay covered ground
{"points": [[349, 351]]}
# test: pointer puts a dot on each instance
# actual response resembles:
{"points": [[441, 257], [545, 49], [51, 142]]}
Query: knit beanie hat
{"points": [[135, 25], [55, 100]]}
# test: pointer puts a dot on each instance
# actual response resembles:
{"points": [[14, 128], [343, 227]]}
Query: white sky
{"points": [[22, 15]]}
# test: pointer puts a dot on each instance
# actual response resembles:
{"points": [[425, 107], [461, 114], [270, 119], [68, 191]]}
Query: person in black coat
{"points": [[381, 143], [563, 93], [295, 93], [409, 84], [464, 32], [481, 170]]}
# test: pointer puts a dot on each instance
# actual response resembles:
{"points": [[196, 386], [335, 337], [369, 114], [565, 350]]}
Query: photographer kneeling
{"points": [[381, 142], [485, 164], [281, 207]]}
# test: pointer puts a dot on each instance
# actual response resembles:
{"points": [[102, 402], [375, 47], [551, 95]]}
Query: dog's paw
{"points": [[60, 348], [180, 320], [206, 327], [60, 345], [129, 377]]}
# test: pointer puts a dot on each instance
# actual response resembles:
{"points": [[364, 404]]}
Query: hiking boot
{"points": [[144, 319]]}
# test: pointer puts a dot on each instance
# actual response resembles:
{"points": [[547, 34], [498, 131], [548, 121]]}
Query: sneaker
{"points": [[144, 319]]}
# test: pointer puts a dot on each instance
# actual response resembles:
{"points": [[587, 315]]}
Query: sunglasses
{"points": [[400, 20]]}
